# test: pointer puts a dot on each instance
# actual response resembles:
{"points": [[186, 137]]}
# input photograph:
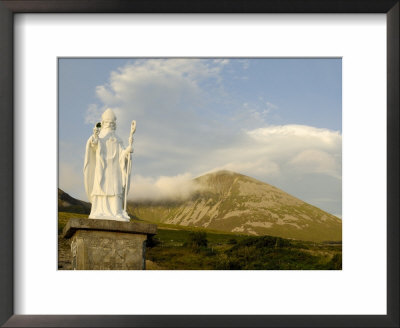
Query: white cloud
{"points": [[177, 187], [316, 161], [324, 136], [149, 84], [221, 61], [282, 150], [165, 97], [93, 114]]}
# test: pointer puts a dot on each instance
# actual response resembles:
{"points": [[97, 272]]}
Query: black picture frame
{"points": [[7, 202]]}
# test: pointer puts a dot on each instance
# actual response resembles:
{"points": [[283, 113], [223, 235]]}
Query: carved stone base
{"points": [[108, 244]]}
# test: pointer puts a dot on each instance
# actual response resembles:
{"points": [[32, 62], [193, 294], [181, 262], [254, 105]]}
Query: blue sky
{"points": [[277, 120]]}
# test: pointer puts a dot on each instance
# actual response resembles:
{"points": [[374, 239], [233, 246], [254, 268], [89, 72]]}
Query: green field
{"points": [[174, 250], [183, 248], [63, 218]]}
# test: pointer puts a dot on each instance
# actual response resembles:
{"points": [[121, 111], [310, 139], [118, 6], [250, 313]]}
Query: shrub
{"points": [[280, 242], [232, 241], [335, 263], [197, 239], [152, 241]]}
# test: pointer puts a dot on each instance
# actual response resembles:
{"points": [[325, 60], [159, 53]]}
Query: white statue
{"points": [[107, 170]]}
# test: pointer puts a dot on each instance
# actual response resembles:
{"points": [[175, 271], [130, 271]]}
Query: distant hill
{"points": [[233, 202], [67, 203]]}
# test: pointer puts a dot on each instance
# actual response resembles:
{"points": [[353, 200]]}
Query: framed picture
{"points": [[50, 61]]}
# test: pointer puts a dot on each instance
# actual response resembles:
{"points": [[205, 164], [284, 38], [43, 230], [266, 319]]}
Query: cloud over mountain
{"points": [[173, 188]]}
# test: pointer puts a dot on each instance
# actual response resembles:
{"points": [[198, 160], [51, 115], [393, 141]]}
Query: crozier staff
{"points": [[129, 168]]}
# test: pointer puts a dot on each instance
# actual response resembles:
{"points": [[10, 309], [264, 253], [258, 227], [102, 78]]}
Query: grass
{"points": [[63, 218], [174, 248]]}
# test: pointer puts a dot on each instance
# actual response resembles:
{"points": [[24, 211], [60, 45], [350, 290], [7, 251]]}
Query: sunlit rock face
{"points": [[232, 202]]}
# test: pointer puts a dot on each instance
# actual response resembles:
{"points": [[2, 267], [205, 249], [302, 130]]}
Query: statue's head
{"points": [[108, 119]]}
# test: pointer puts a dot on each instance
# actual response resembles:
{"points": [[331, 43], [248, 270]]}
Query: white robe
{"points": [[105, 171]]}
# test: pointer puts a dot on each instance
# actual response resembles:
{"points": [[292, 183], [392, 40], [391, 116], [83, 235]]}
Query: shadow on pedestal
{"points": [[108, 244]]}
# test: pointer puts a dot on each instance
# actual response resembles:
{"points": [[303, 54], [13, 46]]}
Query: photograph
{"points": [[199, 163]]}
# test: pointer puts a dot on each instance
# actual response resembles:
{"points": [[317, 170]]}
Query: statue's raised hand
{"points": [[95, 137]]}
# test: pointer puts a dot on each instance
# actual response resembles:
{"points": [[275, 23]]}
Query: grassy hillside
{"points": [[174, 250], [63, 218], [190, 248]]}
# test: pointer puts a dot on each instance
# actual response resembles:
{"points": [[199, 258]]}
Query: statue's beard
{"points": [[107, 128], [108, 125]]}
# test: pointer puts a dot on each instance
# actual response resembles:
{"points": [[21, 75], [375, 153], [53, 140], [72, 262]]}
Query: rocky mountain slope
{"points": [[229, 201]]}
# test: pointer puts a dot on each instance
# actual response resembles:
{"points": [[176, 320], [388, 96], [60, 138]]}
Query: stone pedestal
{"points": [[108, 244]]}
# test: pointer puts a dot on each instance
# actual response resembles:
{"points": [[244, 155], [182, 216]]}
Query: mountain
{"points": [[67, 203], [233, 202]]}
